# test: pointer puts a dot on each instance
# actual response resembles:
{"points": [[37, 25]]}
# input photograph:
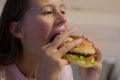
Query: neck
{"points": [[28, 65]]}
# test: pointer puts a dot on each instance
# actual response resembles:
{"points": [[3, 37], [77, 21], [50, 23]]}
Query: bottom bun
{"points": [[78, 62]]}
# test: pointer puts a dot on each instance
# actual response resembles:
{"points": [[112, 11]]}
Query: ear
{"points": [[16, 30]]}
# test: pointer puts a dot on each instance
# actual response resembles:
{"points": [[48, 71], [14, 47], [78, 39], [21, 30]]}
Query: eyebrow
{"points": [[50, 5]]}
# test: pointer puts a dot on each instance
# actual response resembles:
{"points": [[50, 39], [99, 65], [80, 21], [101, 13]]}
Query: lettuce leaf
{"points": [[81, 58], [92, 61], [72, 56]]}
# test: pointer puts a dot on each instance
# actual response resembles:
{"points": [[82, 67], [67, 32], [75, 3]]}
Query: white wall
{"points": [[95, 5]]}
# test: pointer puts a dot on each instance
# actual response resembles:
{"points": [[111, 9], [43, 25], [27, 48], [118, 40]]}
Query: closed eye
{"points": [[47, 13]]}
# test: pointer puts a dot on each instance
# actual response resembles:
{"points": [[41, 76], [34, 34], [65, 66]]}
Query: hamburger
{"points": [[83, 54]]}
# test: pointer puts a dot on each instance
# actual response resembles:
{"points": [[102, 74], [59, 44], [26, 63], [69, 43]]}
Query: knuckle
{"points": [[68, 33], [49, 52], [58, 37], [67, 47]]}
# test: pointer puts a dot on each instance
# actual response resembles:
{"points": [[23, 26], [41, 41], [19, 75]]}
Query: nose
{"points": [[60, 18]]}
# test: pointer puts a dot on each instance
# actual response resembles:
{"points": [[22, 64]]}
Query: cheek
{"points": [[38, 29]]}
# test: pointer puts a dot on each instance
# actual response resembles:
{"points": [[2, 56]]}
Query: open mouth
{"points": [[56, 31], [53, 37]]}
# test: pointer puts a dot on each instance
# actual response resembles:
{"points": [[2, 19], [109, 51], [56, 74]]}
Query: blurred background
{"points": [[99, 20]]}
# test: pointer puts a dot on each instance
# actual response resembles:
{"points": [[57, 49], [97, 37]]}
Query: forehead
{"points": [[41, 3]]}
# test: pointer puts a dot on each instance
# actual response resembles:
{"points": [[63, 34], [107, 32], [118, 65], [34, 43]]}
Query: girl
{"points": [[28, 48]]}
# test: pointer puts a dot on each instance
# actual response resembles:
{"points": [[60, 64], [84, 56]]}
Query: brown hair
{"points": [[13, 10]]}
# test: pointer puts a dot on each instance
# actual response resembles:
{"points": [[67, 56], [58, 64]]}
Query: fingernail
{"points": [[69, 39], [74, 29], [79, 41]]}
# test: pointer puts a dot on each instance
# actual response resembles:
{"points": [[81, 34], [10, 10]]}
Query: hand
{"points": [[92, 73], [52, 61]]}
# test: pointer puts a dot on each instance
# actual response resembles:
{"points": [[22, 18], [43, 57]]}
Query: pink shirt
{"points": [[66, 73]]}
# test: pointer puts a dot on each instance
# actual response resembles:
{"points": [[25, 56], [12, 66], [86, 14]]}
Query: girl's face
{"points": [[43, 20]]}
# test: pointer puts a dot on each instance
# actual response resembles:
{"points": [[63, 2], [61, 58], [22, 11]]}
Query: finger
{"points": [[61, 38], [83, 71], [64, 49], [64, 62], [97, 67], [68, 39], [98, 55], [46, 46]]}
